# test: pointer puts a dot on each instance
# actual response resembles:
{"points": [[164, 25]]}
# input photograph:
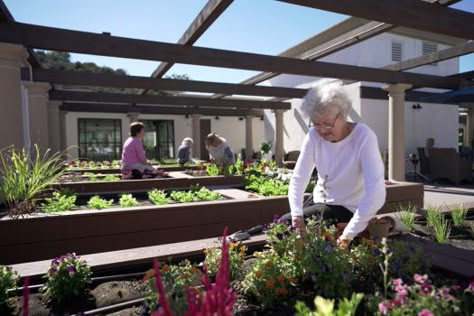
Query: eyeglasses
{"points": [[326, 127]]}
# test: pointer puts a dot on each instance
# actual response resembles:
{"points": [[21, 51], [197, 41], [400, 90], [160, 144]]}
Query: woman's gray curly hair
{"points": [[326, 95]]}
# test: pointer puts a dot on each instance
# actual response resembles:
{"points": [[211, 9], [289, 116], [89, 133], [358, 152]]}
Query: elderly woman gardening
{"points": [[351, 185], [219, 151]]}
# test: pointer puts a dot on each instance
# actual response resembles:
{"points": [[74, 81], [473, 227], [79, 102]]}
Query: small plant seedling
{"points": [[97, 203], [59, 202], [458, 215], [127, 200], [407, 215]]}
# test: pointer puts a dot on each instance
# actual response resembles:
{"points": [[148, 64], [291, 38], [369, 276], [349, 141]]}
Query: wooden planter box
{"points": [[445, 256], [116, 170], [91, 231], [177, 180], [403, 194]]}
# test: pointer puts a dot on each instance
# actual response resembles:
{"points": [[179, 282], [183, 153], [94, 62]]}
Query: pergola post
{"points": [[196, 134], [279, 145], [396, 130], [133, 117], [54, 130], [12, 58], [62, 130], [248, 137], [38, 113]]}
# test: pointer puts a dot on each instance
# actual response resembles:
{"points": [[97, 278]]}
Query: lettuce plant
{"points": [[158, 197], [212, 170], [68, 278], [127, 200], [59, 202], [98, 203]]}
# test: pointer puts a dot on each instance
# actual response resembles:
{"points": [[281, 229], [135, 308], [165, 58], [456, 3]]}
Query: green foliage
{"points": [[433, 215], [8, 280], [236, 259], [212, 170], [97, 203], [437, 222], [175, 279], [25, 177], [265, 147], [158, 197], [407, 216], [458, 215], [407, 259], [196, 194], [59, 202], [68, 278], [265, 186], [127, 200], [325, 307], [110, 178]]}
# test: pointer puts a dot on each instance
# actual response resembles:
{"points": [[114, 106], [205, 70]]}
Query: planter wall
{"points": [[402, 193], [84, 232], [116, 170], [176, 180]]}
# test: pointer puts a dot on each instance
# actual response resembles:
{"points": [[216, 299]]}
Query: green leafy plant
{"points": [[175, 278], [433, 215], [458, 215], [265, 186], [195, 194], [8, 280], [92, 177], [25, 177], [110, 178], [127, 200], [97, 203], [265, 147], [59, 202], [407, 215], [212, 170], [158, 197], [441, 230], [325, 307], [68, 278], [184, 196], [212, 260]]}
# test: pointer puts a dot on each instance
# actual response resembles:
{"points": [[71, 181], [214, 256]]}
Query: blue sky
{"points": [[259, 26]]}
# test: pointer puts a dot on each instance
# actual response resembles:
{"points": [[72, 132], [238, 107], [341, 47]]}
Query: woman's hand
{"points": [[343, 242], [298, 223]]}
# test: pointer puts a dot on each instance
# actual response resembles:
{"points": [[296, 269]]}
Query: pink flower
{"points": [[425, 312], [420, 278], [444, 293], [455, 287], [400, 298], [401, 289], [470, 288], [397, 282], [383, 308], [426, 288]]}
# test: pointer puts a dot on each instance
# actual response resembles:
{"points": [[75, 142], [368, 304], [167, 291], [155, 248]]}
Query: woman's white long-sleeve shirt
{"points": [[351, 174]]}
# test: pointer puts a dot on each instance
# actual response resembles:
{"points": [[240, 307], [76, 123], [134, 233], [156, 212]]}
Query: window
{"points": [[429, 48], [159, 139], [397, 53], [100, 139]]}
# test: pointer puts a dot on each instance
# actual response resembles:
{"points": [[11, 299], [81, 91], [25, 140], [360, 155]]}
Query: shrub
{"points": [[8, 280], [97, 203], [158, 197], [236, 259], [127, 200], [68, 278], [59, 202], [26, 176]]}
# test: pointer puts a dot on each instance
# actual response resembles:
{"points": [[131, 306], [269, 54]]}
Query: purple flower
{"points": [[425, 312], [328, 248], [376, 252], [71, 270], [279, 236], [276, 218], [383, 308], [420, 278]]}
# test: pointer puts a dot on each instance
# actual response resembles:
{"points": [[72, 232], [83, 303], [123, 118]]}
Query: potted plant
{"points": [[266, 150]]}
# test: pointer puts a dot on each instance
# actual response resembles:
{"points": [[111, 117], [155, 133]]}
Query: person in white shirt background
{"points": [[350, 186]]}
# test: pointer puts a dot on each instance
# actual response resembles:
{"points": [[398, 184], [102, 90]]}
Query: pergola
{"points": [[427, 16]]}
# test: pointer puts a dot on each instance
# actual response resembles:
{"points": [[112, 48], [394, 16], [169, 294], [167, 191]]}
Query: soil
{"points": [[105, 294]]}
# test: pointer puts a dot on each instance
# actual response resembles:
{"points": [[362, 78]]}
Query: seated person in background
{"points": [[184, 151], [219, 151], [429, 145], [134, 162]]}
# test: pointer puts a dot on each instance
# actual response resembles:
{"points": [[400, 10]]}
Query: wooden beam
{"points": [[208, 15], [82, 78], [379, 94], [106, 45], [441, 55], [153, 109], [74, 96], [418, 15]]}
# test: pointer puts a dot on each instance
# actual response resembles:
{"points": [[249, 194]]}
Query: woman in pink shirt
{"points": [[133, 153]]}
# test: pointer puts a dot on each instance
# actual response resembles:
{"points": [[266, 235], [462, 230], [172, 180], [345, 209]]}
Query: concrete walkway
{"points": [[449, 196]]}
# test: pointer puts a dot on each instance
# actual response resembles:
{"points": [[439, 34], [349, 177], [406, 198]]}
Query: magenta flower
{"points": [[426, 288], [444, 293], [470, 288], [425, 312], [420, 278], [397, 282], [455, 287], [401, 289], [383, 308]]}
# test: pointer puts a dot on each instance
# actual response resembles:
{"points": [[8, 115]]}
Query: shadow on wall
{"points": [[299, 118]]}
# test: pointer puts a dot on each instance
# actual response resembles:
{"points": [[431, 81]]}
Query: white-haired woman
{"points": [[350, 187], [184, 151]]}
